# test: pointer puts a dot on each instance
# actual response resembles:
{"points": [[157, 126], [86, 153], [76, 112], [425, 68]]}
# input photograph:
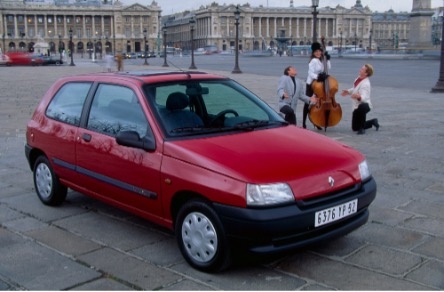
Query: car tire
{"points": [[57, 63], [47, 185], [201, 237]]}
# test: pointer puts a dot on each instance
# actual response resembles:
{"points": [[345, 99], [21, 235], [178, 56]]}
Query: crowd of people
{"points": [[291, 89]]}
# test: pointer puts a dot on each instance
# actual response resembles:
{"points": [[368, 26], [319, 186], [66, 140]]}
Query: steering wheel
{"points": [[222, 114]]}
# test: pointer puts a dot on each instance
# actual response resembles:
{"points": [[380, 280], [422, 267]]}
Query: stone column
{"points": [[420, 24]]}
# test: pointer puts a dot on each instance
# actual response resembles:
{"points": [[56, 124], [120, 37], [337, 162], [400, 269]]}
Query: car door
{"points": [[59, 130], [126, 176]]}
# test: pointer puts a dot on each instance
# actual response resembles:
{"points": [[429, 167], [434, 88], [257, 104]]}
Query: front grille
{"points": [[329, 197]]}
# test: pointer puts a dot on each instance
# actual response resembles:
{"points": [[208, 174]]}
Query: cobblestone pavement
{"points": [[86, 245]]}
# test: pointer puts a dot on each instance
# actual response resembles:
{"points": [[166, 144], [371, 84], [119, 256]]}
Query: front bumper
{"points": [[273, 230]]}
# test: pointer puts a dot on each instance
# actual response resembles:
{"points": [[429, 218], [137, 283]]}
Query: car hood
{"points": [[305, 160]]}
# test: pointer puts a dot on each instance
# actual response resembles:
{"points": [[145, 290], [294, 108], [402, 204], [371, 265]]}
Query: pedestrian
{"points": [[290, 89], [119, 59], [316, 71], [109, 62], [361, 102]]}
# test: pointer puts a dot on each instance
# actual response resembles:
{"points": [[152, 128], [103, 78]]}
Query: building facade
{"points": [[264, 27], [92, 26]]}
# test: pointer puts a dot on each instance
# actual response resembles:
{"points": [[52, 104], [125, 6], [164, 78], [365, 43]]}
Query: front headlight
{"points": [[364, 170], [266, 195]]}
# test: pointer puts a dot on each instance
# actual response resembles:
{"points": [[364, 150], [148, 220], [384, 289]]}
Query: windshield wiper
{"points": [[251, 124], [186, 130]]}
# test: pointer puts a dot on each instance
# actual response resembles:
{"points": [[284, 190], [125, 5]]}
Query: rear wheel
{"points": [[201, 237], [47, 185]]}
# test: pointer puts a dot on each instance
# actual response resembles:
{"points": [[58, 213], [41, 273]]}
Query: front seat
{"points": [[178, 114]]}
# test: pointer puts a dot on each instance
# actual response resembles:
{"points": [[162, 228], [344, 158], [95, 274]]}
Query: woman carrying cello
{"points": [[315, 72]]}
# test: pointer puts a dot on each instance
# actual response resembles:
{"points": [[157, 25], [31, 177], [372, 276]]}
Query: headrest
{"points": [[316, 46], [177, 101]]}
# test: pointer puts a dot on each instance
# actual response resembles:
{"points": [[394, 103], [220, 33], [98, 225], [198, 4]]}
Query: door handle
{"points": [[86, 137]]}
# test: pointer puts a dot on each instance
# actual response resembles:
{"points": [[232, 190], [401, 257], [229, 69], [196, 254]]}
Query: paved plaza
{"points": [[87, 245]]}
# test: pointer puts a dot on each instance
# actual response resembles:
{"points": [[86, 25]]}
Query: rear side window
{"points": [[67, 104]]}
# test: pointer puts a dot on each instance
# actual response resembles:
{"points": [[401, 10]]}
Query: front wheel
{"points": [[201, 237], [47, 185]]}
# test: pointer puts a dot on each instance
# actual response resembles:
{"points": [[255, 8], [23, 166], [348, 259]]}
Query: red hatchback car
{"points": [[23, 58], [199, 154]]}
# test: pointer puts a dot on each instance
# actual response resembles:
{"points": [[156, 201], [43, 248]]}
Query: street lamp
{"points": [[60, 46], [439, 87], [314, 4], [94, 50], [192, 23], [144, 36], [71, 47], [356, 41], [164, 46], [236, 64], [340, 42], [370, 42], [3, 37]]}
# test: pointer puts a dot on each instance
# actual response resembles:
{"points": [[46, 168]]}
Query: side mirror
{"points": [[132, 139]]}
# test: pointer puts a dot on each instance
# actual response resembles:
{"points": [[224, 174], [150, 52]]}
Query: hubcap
{"points": [[199, 237], [43, 179]]}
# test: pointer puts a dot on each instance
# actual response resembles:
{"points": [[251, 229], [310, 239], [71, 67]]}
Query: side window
{"points": [[114, 109], [67, 104]]}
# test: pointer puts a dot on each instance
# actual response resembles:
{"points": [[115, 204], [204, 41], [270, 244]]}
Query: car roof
{"points": [[149, 76]]}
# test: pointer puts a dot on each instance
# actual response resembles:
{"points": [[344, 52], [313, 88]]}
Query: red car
{"points": [[23, 58], [201, 155]]}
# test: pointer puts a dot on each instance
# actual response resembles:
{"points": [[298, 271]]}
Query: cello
{"points": [[326, 112]]}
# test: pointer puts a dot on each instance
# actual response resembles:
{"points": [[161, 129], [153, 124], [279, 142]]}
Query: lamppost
{"points": [[192, 23], [146, 53], [315, 3], [71, 47], [94, 51], [370, 42], [356, 41], [164, 46], [340, 42], [236, 69], [60, 46], [439, 87], [4, 48]]}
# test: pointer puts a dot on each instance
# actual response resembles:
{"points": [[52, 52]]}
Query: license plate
{"points": [[335, 213]]}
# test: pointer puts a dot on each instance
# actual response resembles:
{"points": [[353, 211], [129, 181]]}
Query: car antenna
{"points": [[180, 69]]}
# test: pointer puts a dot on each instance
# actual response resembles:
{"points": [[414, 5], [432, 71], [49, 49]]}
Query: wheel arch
{"points": [[34, 153], [180, 198]]}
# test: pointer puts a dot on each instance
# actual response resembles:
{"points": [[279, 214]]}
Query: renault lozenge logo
{"points": [[331, 181]]}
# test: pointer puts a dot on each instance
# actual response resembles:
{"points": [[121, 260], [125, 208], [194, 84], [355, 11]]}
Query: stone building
{"points": [[265, 27], [105, 25]]}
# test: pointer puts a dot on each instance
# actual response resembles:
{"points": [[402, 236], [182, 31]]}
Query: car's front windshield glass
{"points": [[199, 107]]}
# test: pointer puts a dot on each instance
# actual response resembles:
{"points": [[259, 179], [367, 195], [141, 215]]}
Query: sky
{"points": [[174, 6]]}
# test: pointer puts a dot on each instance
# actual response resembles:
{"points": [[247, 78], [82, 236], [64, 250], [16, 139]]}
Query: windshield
{"points": [[201, 107]]}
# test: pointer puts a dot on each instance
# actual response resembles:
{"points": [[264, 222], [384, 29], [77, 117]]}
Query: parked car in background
{"points": [[199, 154], [24, 58], [4, 60], [52, 60], [131, 55]]}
